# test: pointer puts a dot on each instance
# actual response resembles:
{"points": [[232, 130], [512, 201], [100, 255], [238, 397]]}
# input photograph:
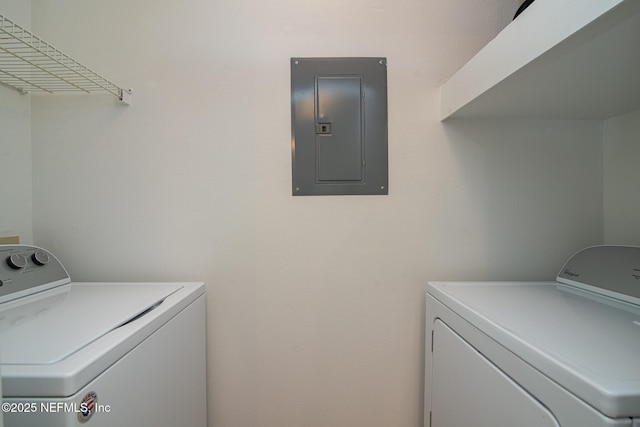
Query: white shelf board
{"points": [[567, 59]]}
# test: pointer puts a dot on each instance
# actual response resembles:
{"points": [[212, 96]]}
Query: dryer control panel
{"points": [[609, 270], [25, 270]]}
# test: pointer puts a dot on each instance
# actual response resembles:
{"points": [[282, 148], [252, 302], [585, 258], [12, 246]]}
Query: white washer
{"points": [[538, 354], [100, 354]]}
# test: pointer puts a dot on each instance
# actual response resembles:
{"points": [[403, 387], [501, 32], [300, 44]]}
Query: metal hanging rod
{"points": [[29, 64]]}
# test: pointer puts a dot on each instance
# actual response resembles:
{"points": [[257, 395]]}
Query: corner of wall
{"points": [[621, 152]]}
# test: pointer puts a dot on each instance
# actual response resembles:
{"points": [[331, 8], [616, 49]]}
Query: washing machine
{"points": [[538, 354], [98, 354]]}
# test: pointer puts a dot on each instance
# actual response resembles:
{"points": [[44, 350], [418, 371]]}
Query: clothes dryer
{"points": [[536, 354]]}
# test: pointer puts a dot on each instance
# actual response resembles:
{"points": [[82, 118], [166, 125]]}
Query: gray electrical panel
{"points": [[339, 126]]}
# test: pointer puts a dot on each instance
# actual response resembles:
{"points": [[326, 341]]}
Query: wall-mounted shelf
{"points": [[566, 59], [29, 64]]}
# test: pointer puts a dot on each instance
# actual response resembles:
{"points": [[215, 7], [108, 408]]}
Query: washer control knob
{"points": [[40, 257], [17, 261]]}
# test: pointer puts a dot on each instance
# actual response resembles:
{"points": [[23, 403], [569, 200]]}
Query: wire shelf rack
{"points": [[29, 64]]}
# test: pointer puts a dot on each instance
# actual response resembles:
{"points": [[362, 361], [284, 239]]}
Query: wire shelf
{"points": [[29, 64]]}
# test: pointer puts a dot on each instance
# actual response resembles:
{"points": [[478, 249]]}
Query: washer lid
{"points": [[587, 343], [48, 327]]}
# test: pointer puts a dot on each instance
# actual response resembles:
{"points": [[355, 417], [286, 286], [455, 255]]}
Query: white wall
{"points": [[15, 145], [315, 303], [621, 141], [15, 151]]}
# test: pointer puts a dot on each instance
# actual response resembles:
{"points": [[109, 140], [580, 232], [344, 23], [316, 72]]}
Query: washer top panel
{"points": [[47, 327]]}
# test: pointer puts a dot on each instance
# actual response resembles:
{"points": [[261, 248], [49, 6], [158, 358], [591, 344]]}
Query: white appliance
{"points": [[98, 354], [538, 354]]}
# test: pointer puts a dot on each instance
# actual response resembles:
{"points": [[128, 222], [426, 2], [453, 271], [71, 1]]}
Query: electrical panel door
{"points": [[339, 126]]}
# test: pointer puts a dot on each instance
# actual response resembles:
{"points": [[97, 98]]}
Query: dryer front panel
{"points": [[468, 390]]}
